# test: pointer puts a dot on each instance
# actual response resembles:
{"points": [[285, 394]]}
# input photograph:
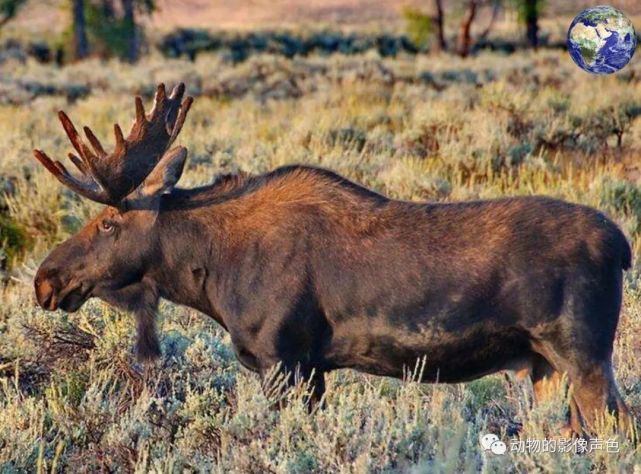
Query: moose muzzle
{"points": [[45, 292], [52, 294]]}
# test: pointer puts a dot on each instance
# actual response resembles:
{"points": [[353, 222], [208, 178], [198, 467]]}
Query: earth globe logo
{"points": [[601, 40]]}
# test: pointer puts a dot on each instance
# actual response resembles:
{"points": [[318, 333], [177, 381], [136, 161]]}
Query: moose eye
{"points": [[107, 226]]}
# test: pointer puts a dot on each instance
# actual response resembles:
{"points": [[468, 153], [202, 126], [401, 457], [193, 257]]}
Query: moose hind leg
{"points": [[593, 387], [581, 341], [595, 391], [547, 382]]}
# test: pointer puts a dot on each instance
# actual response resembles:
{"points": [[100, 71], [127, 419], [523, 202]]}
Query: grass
{"points": [[71, 395]]}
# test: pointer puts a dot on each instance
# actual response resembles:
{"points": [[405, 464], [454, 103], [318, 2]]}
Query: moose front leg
{"points": [[147, 344], [141, 299]]}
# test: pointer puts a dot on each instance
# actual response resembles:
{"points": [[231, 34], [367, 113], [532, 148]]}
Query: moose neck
{"points": [[181, 266], [190, 238]]}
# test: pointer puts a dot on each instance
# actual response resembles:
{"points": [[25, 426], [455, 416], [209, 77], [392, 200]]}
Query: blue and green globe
{"points": [[601, 40]]}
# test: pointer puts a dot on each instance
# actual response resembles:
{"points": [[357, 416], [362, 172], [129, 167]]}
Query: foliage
{"points": [[146, 6], [527, 9], [109, 34], [625, 198], [418, 26], [239, 46], [9, 9], [13, 240]]}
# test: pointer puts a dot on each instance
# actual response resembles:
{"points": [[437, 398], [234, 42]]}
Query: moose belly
{"points": [[445, 356]]}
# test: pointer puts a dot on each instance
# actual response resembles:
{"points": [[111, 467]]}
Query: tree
{"points": [[496, 8], [529, 11], [438, 20], [464, 41], [80, 42], [108, 9], [131, 30], [113, 29], [9, 9]]}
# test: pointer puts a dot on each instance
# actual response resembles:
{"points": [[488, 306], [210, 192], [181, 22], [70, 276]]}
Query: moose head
{"points": [[104, 259]]}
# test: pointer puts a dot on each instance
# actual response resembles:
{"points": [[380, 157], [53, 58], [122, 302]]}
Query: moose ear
{"points": [[165, 175]]}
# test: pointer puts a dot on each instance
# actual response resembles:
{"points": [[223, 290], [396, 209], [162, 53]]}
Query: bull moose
{"points": [[311, 272]]}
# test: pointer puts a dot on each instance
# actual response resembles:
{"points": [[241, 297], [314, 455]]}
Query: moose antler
{"points": [[108, 178]]}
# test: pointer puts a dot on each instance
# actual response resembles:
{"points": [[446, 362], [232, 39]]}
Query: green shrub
{"points": [[484, 391], [14, 240], [418, 26], [347, 138], [624, 198], [108, 34]]}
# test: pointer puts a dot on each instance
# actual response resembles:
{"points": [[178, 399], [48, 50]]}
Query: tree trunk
{"points": [[438, 20], [532, 22], [465, 38], [496, 7], [80, 42], [131, 30], [108, 9]]}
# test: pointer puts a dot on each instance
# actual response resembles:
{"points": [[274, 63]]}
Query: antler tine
{"points": [[180, 120], [140, 111], [74, 138], [79, 163], [138, 126], [177, 92], [88, 189], [95, 143], [90, 160], [42, 157], [88, 157], [121, 144], [159, 100]]}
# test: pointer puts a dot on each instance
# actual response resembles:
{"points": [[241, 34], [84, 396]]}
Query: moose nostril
{"points": [[44, 293]]}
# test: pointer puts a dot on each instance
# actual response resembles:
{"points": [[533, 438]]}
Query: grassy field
{"points": [[71, 395]]}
